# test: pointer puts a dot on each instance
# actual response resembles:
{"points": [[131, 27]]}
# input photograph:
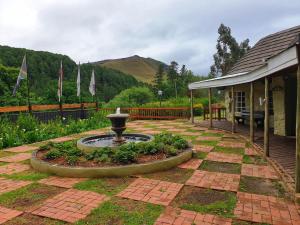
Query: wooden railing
{"points": [[135, 113], [218, 113]]}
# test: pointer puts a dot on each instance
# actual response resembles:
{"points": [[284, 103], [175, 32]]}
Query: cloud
{"points": [[181, 30]]}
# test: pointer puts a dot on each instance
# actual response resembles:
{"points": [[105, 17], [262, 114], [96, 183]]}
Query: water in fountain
{"points": [[118, 121]]}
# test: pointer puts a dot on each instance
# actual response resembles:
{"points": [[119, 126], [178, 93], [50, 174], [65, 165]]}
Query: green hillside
{"points": [[43, 69], [143, 69]]}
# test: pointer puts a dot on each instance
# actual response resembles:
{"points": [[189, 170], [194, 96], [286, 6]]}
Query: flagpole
{"points": [[96, 97], [28, 90], [60, 93]]}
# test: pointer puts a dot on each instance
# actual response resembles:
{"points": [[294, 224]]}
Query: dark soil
{"points": [[202, 196], [92, 163], [37, 193], [241, 222], [221, 167], [28, 218], [262, 186], [176, 175]]}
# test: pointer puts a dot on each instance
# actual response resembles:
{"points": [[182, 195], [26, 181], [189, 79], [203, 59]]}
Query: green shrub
{"points": [[101, 154], [72, 159], [149, 148], [170, 150], [53, 154], [126, 153], [180, 144]]}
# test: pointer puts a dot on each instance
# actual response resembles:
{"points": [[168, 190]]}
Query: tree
{"points": [[173, 75], [158, 79], [228, 52]]}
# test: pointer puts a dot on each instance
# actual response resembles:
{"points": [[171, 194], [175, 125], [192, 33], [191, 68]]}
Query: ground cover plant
{"points": [[27, 129], [163, 146]]}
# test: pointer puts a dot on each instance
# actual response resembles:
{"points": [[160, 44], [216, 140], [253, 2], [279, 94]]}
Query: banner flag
{"points": [[22, 75], [78, 81], [60, 82], [92, 87]]}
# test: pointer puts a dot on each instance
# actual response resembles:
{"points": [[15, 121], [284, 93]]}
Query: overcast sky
{"points": [[181, 30]]}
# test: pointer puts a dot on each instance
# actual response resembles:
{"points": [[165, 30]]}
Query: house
{"points": [[265, 84]]}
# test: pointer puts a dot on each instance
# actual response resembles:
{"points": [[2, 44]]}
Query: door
{"points": [[290, 105]]}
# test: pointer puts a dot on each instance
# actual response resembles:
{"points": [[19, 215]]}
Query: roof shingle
{"points": [[265, 48]]}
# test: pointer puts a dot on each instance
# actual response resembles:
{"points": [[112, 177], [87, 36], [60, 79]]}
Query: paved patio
{"points": [[171, 197], [282, 149]]}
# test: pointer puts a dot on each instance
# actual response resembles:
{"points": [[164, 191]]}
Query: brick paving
{"points": [[250, 151], [214, 180], [191, 164], [265, 209], [173, 216], [152, 191], [22, 148], [176, 130], [259, 171], [70, 206], [16, 158], [203, 148], [62, 139], [93, 132], [7, 185], [13, 168], [64, 182], [8, 214], [153, 132], [189, 133], [224, 157], [208, 138], [231, 144]]}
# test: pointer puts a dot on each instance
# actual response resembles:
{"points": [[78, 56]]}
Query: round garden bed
{"points": [[65, 159]]}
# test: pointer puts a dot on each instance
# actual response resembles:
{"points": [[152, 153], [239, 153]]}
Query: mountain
{"points": [[43, 70], [143, 69]]}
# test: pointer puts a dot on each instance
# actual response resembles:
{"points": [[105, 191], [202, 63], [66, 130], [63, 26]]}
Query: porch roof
{"points": [[283, 60]]}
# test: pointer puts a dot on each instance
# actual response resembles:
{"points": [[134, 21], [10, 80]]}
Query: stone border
{"points": [[116, 171]]}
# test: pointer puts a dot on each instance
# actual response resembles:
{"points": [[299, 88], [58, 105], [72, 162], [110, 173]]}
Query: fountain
{"points": [[118, 121]]}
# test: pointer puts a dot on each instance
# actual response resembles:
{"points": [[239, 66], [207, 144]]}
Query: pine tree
{"points": [[173, 75], [158, 79], [228, 52]]}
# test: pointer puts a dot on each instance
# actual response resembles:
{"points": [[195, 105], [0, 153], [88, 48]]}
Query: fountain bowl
{"points": [[88, 144]]}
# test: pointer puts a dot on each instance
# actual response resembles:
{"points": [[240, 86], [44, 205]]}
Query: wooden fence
{"points": [[218, 113], [76, 111]]}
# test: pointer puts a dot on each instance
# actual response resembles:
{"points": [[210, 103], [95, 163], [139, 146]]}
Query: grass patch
{"points": [[4, 153], [258, 160], [239, 151], [200, 155], [107, 186], [123, 211], [26, 175], [176, 175], [206, 201], [208, 134], [28, 196], [222, 167], [262, 186], [241, 222], [28, 218], [210, 143]]}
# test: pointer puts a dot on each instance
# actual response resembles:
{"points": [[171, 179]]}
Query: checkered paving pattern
{"points": [[173, 216], [71, 205], [8, 214], [152, 191], [208, 138], [230, 144], [224, 157], [7, 185], [13, 168], [259, 171], [265, 209], [23, 148], [64, 182], [214, 180], [191, 164], [250, 151], [176, 130], [62, 139], [16, 158], [187, 133], [202, 148]]}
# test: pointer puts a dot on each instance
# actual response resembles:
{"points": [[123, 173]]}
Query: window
{"points": [[240, 103]]}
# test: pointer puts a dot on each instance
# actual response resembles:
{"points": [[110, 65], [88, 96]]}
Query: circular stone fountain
{"points": [[118, 121], [91, 143]]}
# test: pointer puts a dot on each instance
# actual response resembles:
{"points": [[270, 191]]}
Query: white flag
{"points": [[78, 81], [22, 75], [92, 87], [60, 82]]}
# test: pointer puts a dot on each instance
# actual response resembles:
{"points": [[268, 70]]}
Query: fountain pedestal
{"points": [[118, 122]]}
